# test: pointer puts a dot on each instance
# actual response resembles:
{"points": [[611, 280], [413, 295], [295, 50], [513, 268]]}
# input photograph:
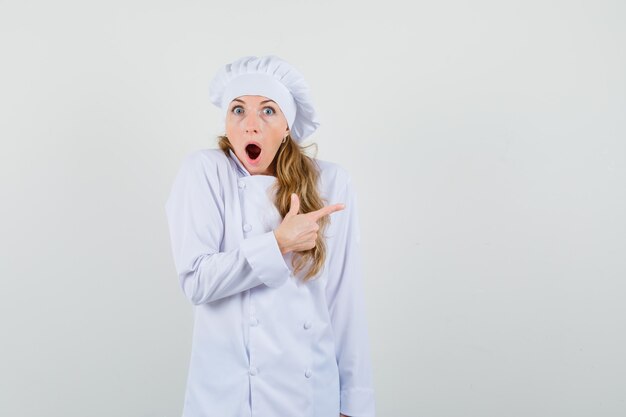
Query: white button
{"points": [[307, 373], [253, 371], [242, 184], [247, 227], [307, 324], [254, 321]]}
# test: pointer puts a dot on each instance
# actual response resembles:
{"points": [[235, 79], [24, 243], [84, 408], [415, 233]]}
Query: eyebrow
{"points": [[263, 102]]}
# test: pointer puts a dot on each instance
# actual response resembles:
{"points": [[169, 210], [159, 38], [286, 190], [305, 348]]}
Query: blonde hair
{"points": [[296, 172]]}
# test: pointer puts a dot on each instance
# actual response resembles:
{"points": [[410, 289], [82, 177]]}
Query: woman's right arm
{"points": [[195, 213]]}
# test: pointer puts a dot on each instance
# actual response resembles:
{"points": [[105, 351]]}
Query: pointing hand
{"points": [[298, 232]]}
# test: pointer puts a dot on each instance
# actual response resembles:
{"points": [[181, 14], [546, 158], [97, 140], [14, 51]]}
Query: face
{"points": [[255, 127]]}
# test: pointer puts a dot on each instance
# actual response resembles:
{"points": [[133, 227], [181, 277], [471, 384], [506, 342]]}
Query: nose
{"points": [[252, 123]]}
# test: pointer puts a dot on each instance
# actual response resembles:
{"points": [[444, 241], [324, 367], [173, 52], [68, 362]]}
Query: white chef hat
{"points": [[271, 77]]}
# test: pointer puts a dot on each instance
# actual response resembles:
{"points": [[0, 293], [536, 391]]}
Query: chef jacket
{"points": [[265, 344]]}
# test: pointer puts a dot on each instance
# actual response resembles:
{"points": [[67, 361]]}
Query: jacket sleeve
{"points": [[346, 305], [195, 213]]}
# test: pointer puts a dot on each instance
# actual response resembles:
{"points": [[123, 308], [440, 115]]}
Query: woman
{"points": [[273, 271]]}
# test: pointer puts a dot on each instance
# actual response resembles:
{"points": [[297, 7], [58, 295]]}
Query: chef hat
{"points": [[271, 77]]}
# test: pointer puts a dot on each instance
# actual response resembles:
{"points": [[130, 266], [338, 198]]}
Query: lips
{"points": [[253, 150]]}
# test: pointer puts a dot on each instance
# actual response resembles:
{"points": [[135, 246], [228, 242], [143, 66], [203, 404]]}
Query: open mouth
{"points": [[253, 151]]}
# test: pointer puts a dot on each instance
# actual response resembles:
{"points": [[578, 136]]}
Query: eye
{"points": [[234, 109], [271, 110]]}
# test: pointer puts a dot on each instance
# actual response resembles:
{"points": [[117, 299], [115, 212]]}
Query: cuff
{"points": [[265, 259], [358, 402]]}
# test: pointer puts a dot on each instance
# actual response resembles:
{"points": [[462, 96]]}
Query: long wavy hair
{"points": [[296, 172]]}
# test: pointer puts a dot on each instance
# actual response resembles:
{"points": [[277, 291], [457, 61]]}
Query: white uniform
{"points": [[265, 344]]}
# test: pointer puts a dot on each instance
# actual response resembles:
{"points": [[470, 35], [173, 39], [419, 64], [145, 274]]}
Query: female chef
{"points": [[265, 241]]}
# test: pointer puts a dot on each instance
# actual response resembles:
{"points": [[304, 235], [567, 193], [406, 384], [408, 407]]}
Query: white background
{"points": [[486, 141]]}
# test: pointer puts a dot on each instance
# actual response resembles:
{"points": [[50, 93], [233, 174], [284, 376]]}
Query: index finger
{"points": [[317, 214]]}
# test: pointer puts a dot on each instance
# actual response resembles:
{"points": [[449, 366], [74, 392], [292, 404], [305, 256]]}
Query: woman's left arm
{"points": [[346, 306]]}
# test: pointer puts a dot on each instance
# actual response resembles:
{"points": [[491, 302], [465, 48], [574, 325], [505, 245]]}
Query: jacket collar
{"points": [[240, 166]]}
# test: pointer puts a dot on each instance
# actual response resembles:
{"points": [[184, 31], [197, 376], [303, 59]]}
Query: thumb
{"points": [[295, 205]]}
